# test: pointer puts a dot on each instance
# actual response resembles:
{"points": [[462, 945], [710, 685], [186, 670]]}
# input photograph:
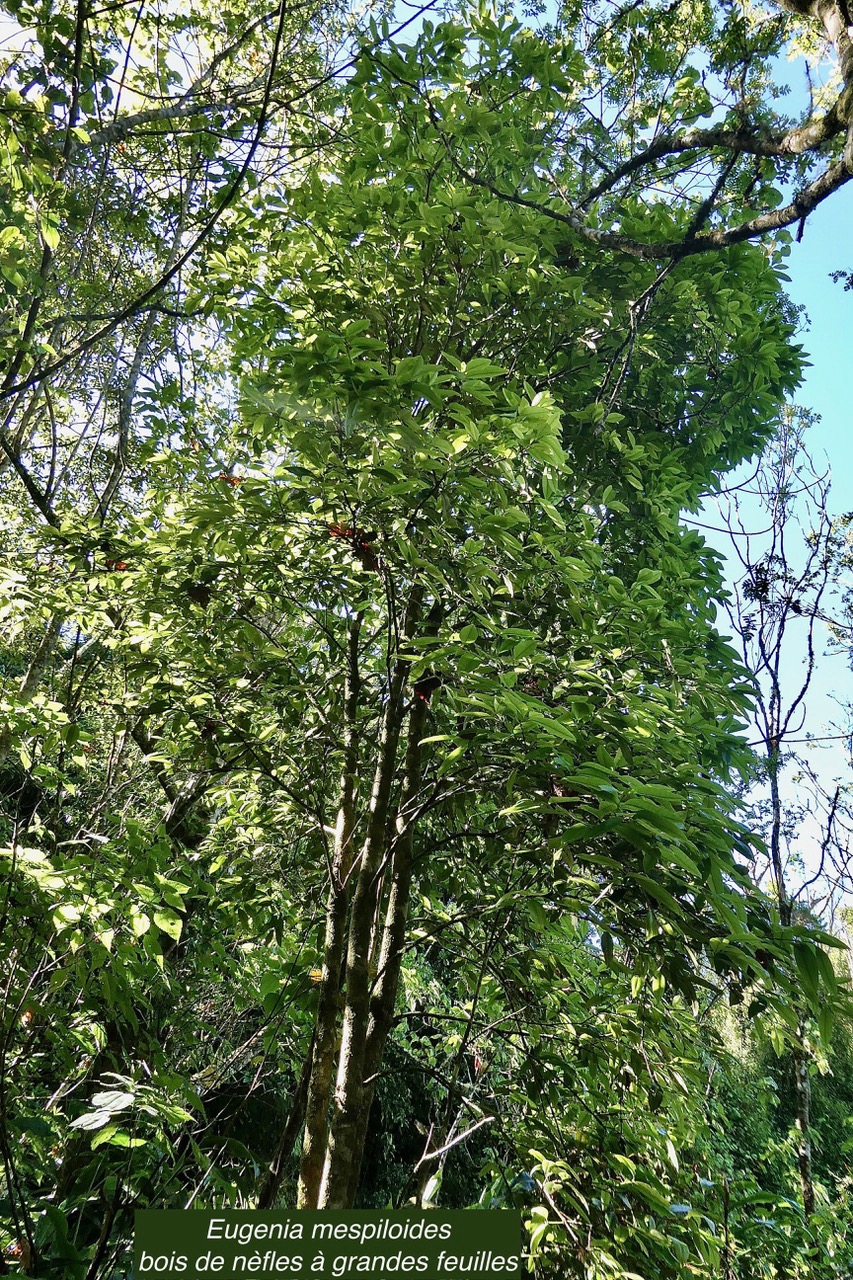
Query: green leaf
{"points": [[169, 922]]}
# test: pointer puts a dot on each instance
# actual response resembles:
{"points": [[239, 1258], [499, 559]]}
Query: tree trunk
{"points": [[326, 1027], [333, 1143], [343, 1181], [352, 1096]]}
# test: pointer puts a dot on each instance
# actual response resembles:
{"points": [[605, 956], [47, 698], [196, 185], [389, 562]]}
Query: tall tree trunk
{"points": [[326, 1027], [390, 953], [348, 1126]]}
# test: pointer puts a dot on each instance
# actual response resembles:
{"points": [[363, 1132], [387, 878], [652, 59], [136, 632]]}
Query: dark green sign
{"points": [[232, 1244]]}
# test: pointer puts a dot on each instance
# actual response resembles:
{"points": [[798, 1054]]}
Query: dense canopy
{"points": [[370, 755]]}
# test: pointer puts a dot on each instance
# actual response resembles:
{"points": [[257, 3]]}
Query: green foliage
{"points": [[391, 389]]}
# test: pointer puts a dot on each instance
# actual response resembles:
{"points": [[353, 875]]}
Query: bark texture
{"points": [[366, 914], [326, 1027]]}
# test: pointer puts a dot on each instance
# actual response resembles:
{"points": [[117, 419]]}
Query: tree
{"points": [[775, 594], [397, 613], [381, 420]]}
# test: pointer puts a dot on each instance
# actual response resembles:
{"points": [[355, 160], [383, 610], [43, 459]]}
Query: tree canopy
{"points": [[370, 753]]}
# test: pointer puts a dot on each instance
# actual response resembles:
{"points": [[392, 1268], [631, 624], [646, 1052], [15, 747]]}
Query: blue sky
{"points": [[827, 246]]}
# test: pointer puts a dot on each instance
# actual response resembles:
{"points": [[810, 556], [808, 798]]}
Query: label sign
{"points": [[198, 1244]]}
